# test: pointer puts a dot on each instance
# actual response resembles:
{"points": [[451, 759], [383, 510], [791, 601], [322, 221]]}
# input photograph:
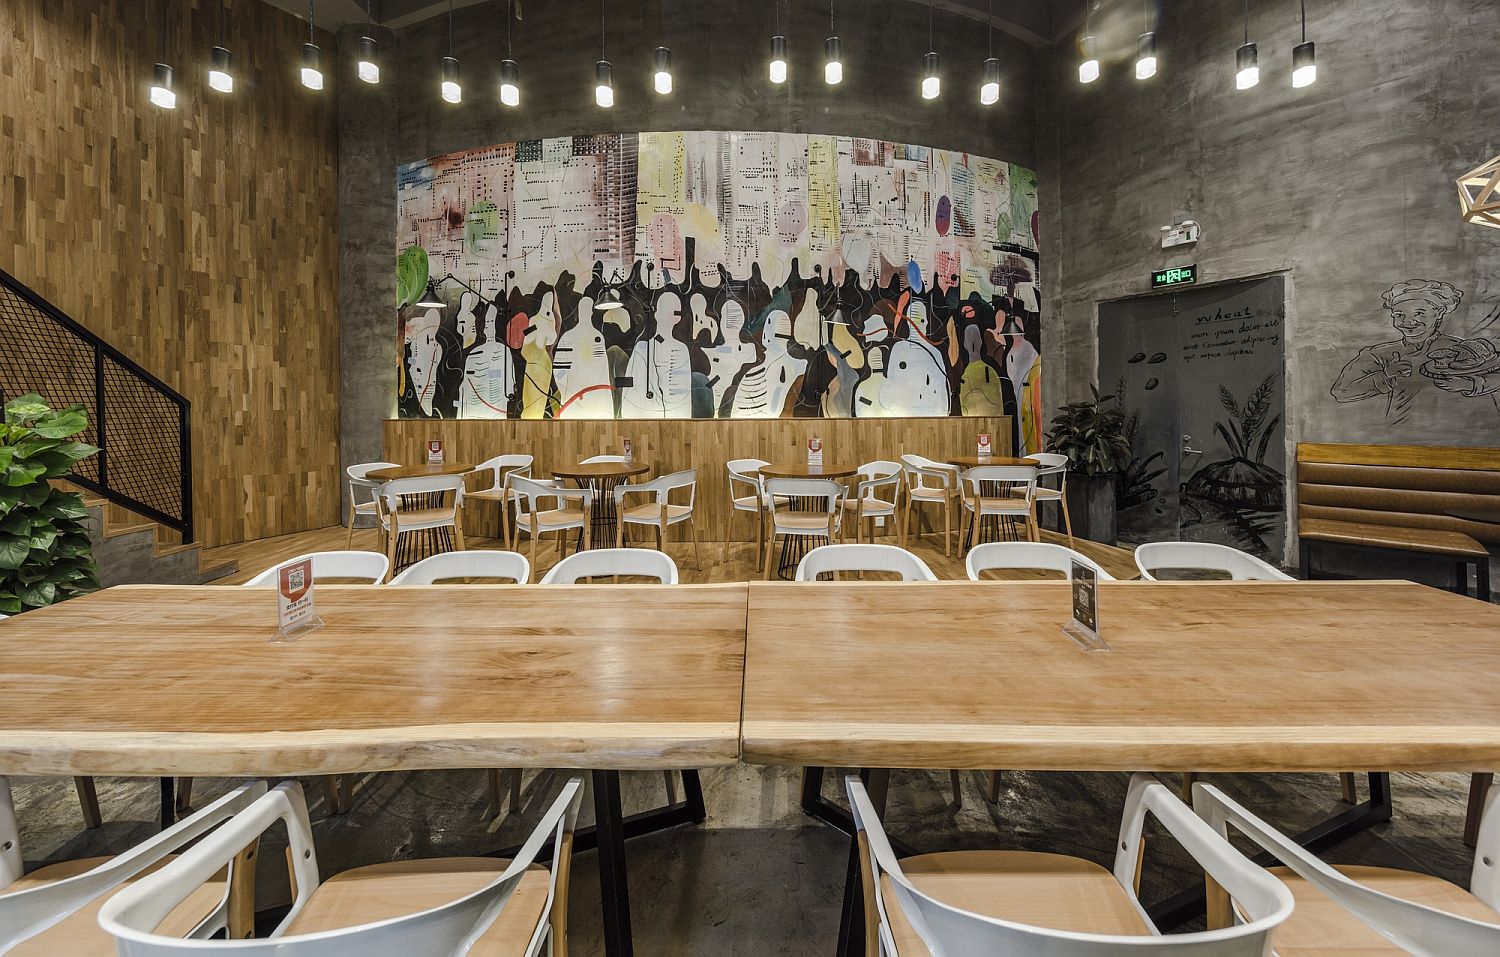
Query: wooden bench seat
{"points": [[1429, 540]]}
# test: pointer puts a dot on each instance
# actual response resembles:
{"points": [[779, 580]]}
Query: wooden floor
{"points": [[720, 562]]}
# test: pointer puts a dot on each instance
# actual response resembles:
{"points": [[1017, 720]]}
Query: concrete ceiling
{"points": [[1039, 22]]}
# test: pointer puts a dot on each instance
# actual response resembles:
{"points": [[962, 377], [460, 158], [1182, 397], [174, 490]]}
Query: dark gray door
{"points": [[1199, 374]]}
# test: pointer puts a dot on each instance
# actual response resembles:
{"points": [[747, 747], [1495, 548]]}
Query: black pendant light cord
{"points": [[221, 22], [601, 31], [831, 30], [1247, 21], [163, 31], [989, 27], [310, 37], [929, 24], [510, 16], [450, 27], [1304, 21]]}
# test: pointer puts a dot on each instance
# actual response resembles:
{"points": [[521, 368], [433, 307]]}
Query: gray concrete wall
{"points": [[1347, 186]]}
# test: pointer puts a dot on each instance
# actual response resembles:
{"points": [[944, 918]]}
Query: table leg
{"points": [[613, 881], [168, 815]]}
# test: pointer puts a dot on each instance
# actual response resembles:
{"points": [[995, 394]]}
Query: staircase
{"points": [[132, 550]]}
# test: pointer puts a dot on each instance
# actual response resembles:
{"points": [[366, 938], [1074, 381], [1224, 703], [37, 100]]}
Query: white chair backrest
{"points": [[393, 490], [1011, 478], [831, 492], [874, 475], [132, 915], [503, 465], [1052, 463], [600, 562], [1414, 927], [1204, 556], [600, 459], [921, 470], [531, 490], [371, 566], [473, 563], [1032, 555], [26, 913], [953, 932], [663, 486], [863, 558], [360, 474]]}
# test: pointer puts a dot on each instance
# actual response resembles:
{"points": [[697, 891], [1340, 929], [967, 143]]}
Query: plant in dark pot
{"points": [[45, 554], [1091, 433]]}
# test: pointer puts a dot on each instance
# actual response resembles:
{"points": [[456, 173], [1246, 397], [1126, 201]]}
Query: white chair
{"points": [[661, 513], [999, 491], [863, 557], [613, 562], [1054, 463], [367, 566], [1028, 555], [929, 482], [1204, 556], [49, 908], [434, 906], [359, 480], [818, 517], [500, 468], [875, 494], [1369, 910], [474, 563], [747, 493], [1029, 904], [564, 516]]}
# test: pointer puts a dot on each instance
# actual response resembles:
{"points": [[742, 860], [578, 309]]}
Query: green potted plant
{"points": [[45, 553], [1091, 433]]}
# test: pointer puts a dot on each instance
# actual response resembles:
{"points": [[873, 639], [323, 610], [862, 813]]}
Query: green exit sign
{"points": [[1176, 276]]}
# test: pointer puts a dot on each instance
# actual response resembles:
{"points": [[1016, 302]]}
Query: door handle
{"points": [[1188, 451]]}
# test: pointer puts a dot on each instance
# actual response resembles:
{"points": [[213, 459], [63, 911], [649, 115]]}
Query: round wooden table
{"points": [[976, 461], [424, 542], [420, 471], [793, 547], [992, 529], [805, 471], [602, 477]]}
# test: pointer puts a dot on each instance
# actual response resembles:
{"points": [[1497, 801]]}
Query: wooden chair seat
{"points": [[920, 494], [1430, 540], [384, 891], [810, 521], [1321, 928], [651, 512], [872, 506], [494, 495], [79, 934], [552, 518], [1044, 494], [1044, 890], [1000, 503], [415, 519], [366, 508]]}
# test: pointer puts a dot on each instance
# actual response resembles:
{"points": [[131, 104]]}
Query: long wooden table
{"points": [[184, 681], [1202, 676]]}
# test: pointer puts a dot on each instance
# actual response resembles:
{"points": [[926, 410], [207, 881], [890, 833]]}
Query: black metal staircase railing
{"points": [[139, 423]]}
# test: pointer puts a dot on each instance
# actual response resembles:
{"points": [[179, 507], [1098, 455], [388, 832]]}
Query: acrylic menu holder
{"points": [[814, 452], [296, 610], [1083, 629]]}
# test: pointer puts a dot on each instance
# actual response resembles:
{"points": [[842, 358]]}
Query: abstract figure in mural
{"points": [[1415, 374], [581, 365], [488, 373]]}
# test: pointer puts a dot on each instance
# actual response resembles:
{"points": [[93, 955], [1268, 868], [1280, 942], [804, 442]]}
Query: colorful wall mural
{"points": [[757, 275]]}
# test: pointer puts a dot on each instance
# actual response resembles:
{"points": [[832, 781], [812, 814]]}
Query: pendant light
{"points": [[1304, 57], [312, 57], [777, 69], [663, 79], [1145, 61], [989, 83], [1088, 68], [604, 74], [219, 77], [430, 298], [367, 69], [452, 92], [510, 74], [610, 300], [932, 81], [1246, 60], [833, 63], [161, 81]]}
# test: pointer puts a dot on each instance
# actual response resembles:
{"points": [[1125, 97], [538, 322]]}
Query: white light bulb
{"points": [[369, 71], [312, 79], [1246, 78], [989, 94], [510, 94], [1145, 68], [931, 87], [452, 92], [663, 82], [778, 71], [833, 72], [163, 97], [604, 95], [221, 81], [1305, 75], [1088, 71]]}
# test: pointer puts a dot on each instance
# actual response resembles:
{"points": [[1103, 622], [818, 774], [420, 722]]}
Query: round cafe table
{"points": [[992, 529], [417, 545], [793, 547], [602, 477]]}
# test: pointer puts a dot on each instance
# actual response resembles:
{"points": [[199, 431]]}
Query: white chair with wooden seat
{"points": [[427, 503], [1155, 557], [499, 491], [1031, 904], [747, 493], [821, 520], [359, 481], [368, 567], [863, 557], [1054, 463], [1030, 556], [875, 495], [53, 910], [929, 483], [1369, 911], [484, 563], [612, 563], [1005, 492], [572, 511], [457, 905], [662, 512]]}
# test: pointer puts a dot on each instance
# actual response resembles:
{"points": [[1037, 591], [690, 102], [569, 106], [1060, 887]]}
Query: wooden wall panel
{"points": [[201, 241], [673, 444]]}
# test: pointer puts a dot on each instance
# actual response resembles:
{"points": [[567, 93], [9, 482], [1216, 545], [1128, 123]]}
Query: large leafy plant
{"points": [[1092, 435], [45, 554]]}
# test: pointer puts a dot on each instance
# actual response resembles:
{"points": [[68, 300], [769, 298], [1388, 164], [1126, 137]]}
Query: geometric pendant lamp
{"points": [[1479, 194]]}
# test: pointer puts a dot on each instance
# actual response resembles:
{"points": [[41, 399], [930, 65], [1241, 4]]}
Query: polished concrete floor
{"points": [[759, 877]]}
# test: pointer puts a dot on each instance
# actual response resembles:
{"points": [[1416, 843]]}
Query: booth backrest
{"points": [[1408, 486]]}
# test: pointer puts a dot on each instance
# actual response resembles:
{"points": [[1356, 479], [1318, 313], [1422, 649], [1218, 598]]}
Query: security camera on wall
{"points": [[1184, 233]]}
